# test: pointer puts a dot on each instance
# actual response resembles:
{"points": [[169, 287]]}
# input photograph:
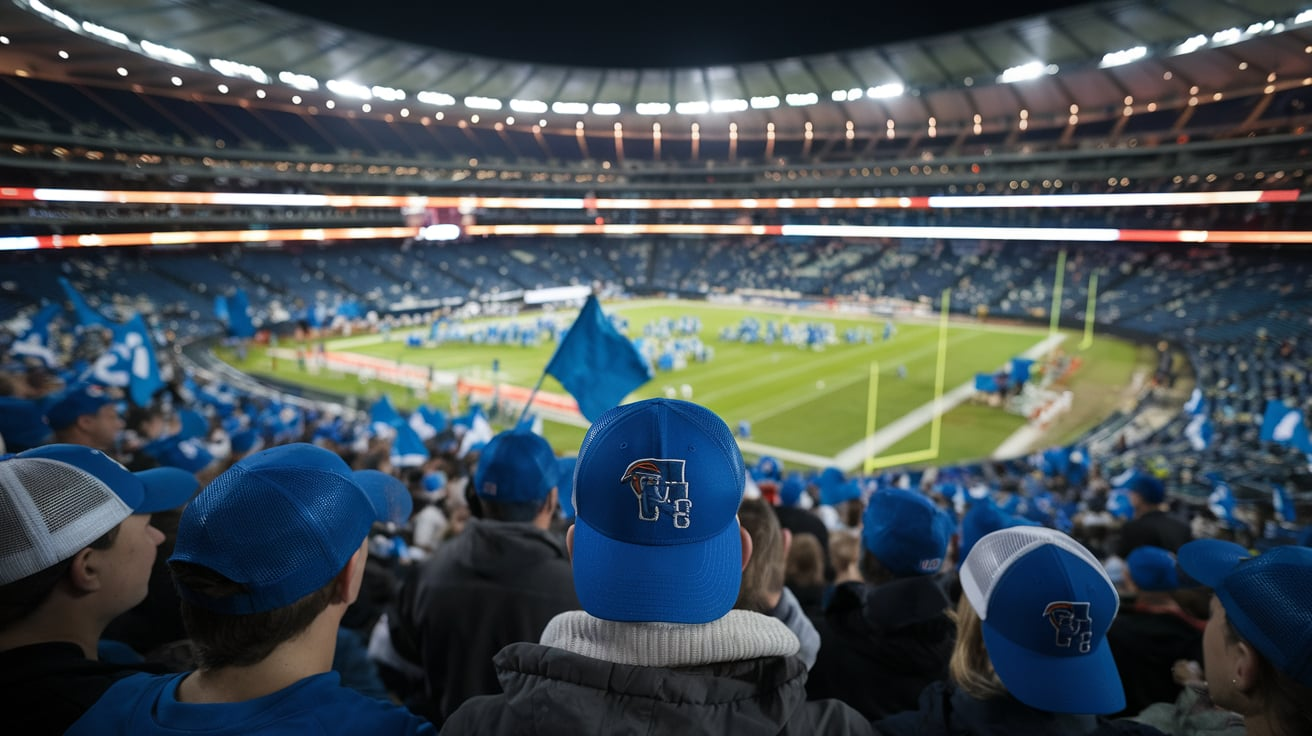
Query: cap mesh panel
{"points": [[995, 552], [51, 511]]}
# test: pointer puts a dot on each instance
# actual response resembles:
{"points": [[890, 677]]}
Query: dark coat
{"points": [[946, 711], [554, 691], [495, 583], [881, 645]]}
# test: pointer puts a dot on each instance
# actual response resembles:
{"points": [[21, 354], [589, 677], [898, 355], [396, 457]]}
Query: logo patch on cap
{"points": [[660, 485], [1073, 624]]}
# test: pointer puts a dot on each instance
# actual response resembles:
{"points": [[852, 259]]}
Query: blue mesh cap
{"points": [[1267, 598], [390, 497], [166, 488], [1152, 568], [906, 531], [282, 522], [516, 466], [656, 491]]}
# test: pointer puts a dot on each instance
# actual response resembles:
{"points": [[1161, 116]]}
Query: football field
{"points": [[809, 405]]}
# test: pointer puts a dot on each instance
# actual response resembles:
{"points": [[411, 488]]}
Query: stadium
{"points": [[1103, 205]]}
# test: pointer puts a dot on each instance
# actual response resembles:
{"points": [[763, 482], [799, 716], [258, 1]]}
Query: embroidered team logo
{"points": [[1073, 624], [659, 486]]}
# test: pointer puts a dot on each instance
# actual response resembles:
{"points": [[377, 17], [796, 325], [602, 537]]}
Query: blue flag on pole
{"points": [[129, 362], [86, 316], [239, 316], [596, 364], [35, 340], [1199, 432], [408, 450], [1222, 502], [1283, 503]]}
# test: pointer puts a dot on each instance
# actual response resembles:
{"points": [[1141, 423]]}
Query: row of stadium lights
{"points": [[977, 126], [1023, 72]]}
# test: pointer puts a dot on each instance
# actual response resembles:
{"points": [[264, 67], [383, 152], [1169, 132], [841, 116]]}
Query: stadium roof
{"points": [[1090, 60]]}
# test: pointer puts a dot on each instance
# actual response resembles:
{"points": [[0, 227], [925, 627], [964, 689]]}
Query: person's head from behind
{"points": [[1257, 648], [1032, 622], [79, 545], [266, 548], [1151, 572], [85, 414], [805, 565], [516, 478], [763, 577], [1146, 493], [903, 535], [656, 536]]}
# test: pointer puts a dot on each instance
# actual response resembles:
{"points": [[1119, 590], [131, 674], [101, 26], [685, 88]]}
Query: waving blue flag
{"points": [[35, 341], [1284, 425], [408, 451], [596, 364], [1222, 502], [129, 362], [1283, 503], [239, 315], [86, 316], [1199, 432]]}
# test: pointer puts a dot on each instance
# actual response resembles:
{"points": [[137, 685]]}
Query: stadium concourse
{"points": [[184, 187]]}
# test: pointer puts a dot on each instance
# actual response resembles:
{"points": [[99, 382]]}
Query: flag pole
{"points": [[531, 396]]}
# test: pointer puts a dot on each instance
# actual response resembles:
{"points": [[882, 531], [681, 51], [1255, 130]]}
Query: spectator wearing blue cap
{"points": [[77, 552], [1153, 524], [658, 556], [1152, 631], [268, 557], [1257, 648], [1031, 654], [497, 582], [885, 638], [85, 414]]}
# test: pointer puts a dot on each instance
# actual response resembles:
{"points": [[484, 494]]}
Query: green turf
{"points": [[805, 400]]}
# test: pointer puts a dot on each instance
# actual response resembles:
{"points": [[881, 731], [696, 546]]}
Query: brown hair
{"points": [[805, 565], [228, 640], [970, 667], [23, 596], [763, 578]]}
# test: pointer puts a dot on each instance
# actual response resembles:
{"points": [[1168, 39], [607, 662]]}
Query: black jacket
{"points": [[1145, 644], [946, 711], [881, 645], [45, 687], [495, 583], [554, 691]]}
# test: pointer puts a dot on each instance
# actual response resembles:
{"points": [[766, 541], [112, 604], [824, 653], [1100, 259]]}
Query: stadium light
{"points": [[109, 34], [238, 70], [1026, 72], [1303, 17], [482, 103], [387, 94], [440, 99], [800, 100], [605, 108], [344, 88], [528, 107], [734, 105], [764, 103], [1191, 44], [303, 82], [167, 54], [652, 108], [569, 108], [1122, 57], [699, 107], [885, 91], [63, 19]]}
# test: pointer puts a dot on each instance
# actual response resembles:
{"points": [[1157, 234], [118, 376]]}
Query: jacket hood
{"points": [[495, 548]]}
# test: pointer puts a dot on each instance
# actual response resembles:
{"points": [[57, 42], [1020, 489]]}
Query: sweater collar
{"points": [[738, 635]]}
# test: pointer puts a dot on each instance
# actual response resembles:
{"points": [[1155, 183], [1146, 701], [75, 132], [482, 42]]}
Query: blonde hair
{"points": [[970, 667]]}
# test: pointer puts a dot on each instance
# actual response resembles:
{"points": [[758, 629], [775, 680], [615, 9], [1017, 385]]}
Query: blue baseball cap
{"points": [[1152, 568], [175, 451], [124, 483], [390, 497], [906, 531], [76, 401], [791, 490], [1045, 603], [566, 466], [166, 488], [656, 493], [282, 523], [1149, 488], [983, 517], [516, 466], [1266, 598]]}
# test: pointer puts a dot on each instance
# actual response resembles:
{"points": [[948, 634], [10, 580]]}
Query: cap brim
{"points": [[166, 488], [684, 583], [1088, 684], [1210, 560]]}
